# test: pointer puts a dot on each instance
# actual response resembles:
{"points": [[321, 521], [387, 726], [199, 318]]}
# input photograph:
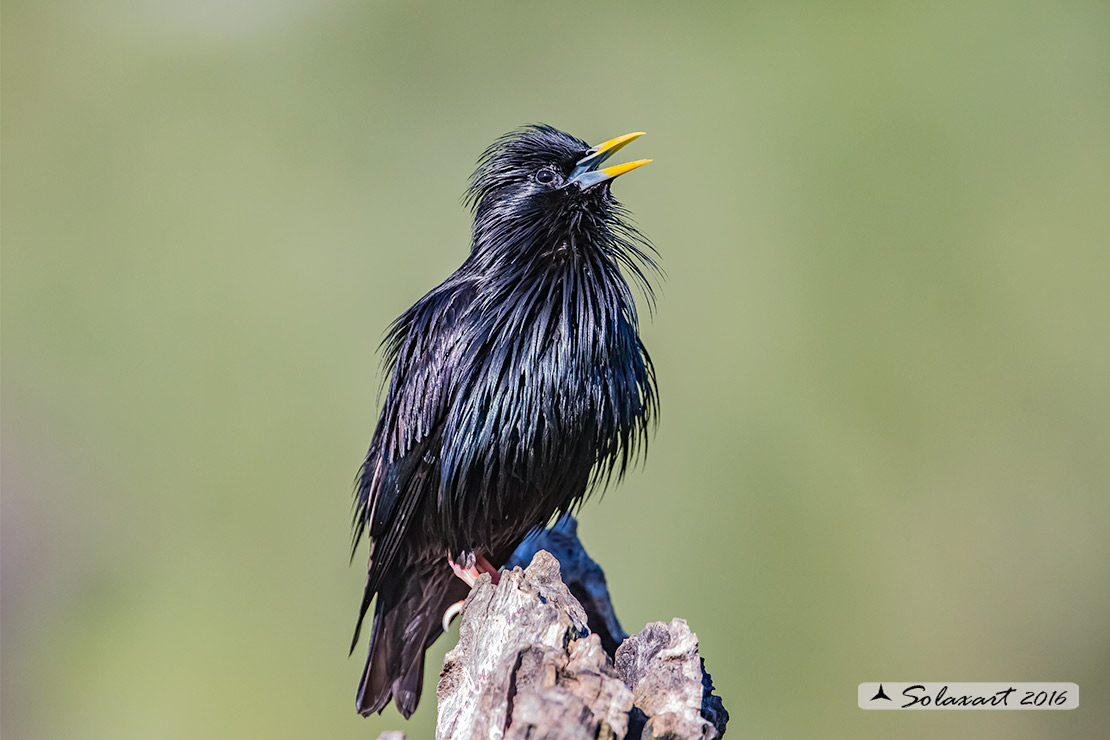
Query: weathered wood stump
{"points": [[527, 664]]}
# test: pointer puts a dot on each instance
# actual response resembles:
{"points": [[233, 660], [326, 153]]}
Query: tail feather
{"points": [[407, 620]]}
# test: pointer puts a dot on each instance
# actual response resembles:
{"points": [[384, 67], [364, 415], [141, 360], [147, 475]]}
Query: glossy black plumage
{"points": [[516, 387]]}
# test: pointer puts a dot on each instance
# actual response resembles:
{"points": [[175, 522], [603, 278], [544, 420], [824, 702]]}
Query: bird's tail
{"points": [[408, 617]]}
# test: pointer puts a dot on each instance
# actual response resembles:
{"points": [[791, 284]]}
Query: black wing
{"points": [[424, 351]]}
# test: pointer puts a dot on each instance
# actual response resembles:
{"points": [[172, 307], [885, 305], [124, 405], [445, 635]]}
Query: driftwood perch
{"points": [[527, 664]]}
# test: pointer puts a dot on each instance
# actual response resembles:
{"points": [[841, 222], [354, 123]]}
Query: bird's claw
{"points": [[450, 613]]}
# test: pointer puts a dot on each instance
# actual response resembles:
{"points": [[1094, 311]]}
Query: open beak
{"points": [[586, 173]]}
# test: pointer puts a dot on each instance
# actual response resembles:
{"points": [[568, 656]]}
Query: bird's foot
{"points": [[470, 574], [475, 566]]}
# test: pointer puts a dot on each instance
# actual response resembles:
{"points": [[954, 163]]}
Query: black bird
{"points": [[516, 387]]}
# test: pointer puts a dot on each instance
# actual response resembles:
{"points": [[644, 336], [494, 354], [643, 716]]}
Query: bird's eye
{"points": [[545, 177]]}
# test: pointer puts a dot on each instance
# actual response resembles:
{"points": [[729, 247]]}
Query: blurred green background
{"points": [[882, 344]]}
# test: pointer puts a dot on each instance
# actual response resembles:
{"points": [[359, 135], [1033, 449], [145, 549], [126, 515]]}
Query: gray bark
{"points": [[528, 666]]}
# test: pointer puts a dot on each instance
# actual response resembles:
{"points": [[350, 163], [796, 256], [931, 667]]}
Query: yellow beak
{"points": [[586, 173]]}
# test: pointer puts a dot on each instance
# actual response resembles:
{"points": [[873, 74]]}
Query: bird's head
{"points": [[539, 187]]}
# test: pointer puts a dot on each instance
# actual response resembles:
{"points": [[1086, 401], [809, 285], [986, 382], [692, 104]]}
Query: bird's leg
{"points": [[486, 566]]}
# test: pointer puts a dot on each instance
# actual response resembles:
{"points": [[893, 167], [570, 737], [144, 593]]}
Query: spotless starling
{"points": [[516, 387]]}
